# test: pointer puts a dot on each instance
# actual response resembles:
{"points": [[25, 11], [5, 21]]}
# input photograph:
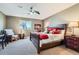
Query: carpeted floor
{"points": [[59, 50], [19, 47], [25, 47]]}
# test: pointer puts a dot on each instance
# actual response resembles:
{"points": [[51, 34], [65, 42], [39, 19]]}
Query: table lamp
{"points": [[73, 25]]}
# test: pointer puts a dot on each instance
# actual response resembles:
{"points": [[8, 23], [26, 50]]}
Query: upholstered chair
{"points": [[10, 35]]}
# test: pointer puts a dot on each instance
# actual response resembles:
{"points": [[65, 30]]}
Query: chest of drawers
{"points": [[72, 42]]}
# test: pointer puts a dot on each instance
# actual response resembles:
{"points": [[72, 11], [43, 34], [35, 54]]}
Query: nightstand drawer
{"points": [[72, 42]]}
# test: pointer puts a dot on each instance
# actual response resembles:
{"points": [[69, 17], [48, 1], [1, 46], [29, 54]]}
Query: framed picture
{"points": [[37, 27]]}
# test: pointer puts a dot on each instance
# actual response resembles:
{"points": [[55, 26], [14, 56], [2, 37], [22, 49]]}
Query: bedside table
{"points": [[72, 42], [21, 36]]}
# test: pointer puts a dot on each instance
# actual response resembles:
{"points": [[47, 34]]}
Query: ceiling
{"points": [[22, 9]]}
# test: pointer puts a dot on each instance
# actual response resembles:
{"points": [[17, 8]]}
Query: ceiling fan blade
{"points": [[37, 12], [33, 11]]}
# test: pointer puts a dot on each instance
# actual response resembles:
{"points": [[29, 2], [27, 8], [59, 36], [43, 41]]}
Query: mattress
{"points": [[52, 38]]}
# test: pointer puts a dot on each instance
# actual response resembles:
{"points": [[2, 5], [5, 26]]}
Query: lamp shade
{"points": [[73, 24]]}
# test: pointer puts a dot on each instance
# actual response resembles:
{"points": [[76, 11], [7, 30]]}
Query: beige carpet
{"points": [[19, 47], [59, 50], [25, 47]]}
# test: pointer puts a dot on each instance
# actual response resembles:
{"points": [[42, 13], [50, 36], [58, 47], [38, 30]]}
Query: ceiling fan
{"points": [[33, 11]]}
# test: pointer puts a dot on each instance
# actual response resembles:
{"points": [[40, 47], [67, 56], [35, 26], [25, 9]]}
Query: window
{"points": [[26, 25]]}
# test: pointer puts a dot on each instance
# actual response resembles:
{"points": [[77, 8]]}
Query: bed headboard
{"points": [[56, 28], [60, 26]]}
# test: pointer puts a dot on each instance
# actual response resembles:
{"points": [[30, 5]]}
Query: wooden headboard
{"points": [[60, 26]]}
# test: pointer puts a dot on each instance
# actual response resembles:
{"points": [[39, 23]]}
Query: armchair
{"points": [[10, 35]]}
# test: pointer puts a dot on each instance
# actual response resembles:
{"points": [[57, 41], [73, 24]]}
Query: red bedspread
{"points": [[43, 36]]}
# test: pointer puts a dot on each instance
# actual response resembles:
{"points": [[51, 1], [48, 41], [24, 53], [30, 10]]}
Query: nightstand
{"points": [[72, 42]]}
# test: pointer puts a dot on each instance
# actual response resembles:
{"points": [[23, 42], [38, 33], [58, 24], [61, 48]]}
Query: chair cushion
{"points": [[15, 36], [9, 32]]}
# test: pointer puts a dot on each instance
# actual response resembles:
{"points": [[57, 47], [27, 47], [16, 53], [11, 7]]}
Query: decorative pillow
{"points": [[54, 30], [51, 32], [58, 31], [43, 36], [50, 29]]}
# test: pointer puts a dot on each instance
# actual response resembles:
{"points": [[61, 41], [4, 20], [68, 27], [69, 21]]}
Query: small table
{"points": [[1, 36], [2, 41], [21, 36]]}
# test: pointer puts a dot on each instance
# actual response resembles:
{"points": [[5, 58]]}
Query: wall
{"points": [[2, 21], [68, 15], [13, 23]]}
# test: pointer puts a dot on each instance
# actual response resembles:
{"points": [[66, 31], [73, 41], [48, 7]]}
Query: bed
{"points": [[44, 41]]}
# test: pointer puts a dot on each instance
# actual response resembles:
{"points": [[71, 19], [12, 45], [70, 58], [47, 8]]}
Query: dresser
{"points": [[72, 42]]}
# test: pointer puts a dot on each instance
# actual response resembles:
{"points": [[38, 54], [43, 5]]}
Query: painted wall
{"points": [[2, 21], [68, 15], [14, 23]]}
